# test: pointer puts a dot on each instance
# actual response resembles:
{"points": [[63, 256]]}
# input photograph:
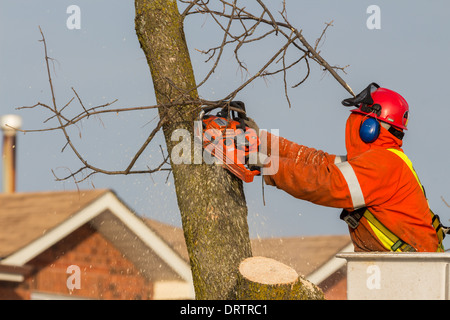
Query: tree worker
{"points": [[384, 203]]}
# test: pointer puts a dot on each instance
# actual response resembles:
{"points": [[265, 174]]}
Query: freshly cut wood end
{"points": [[267, 271]]}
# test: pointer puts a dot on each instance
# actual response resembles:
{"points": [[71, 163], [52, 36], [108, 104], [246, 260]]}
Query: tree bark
{"points": [[211, 201]]}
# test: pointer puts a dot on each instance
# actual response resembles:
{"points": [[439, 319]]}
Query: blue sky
{"points": [[103, 61]]}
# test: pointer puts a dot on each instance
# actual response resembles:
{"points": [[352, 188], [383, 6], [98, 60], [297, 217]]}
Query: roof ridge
{"points": [[27, 216], [35, 193]]}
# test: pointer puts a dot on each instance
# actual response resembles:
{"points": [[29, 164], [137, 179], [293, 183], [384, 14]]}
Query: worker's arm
{"points": [[313, 175], [305, 173], [310, 176], [273, 145]]}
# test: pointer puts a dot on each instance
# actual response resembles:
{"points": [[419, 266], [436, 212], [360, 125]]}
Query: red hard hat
{"points": [[383, 104]]}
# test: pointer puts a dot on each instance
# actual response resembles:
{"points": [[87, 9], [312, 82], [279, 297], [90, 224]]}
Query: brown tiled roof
{"points": [[173, 236], [24, 217]]}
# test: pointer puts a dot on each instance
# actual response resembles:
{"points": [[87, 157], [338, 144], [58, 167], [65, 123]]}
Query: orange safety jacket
{"points": [[370, 176]]}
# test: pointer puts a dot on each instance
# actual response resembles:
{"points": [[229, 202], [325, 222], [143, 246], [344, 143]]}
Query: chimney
{"points": [[9, 123]]}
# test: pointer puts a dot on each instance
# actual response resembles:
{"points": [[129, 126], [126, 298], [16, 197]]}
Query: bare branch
{"points": [[280, 27], [448, 205], [64, 123]]}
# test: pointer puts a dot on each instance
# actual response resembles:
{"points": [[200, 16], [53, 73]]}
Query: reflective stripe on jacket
{"points": [[371, 177]]}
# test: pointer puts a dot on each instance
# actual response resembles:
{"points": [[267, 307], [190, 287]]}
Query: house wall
{"points": [[104, 273]]}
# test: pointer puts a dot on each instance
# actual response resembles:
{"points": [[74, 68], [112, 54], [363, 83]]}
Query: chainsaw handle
{"points": [[237, 109], [209, 108], [238, 113], [201, 114]]}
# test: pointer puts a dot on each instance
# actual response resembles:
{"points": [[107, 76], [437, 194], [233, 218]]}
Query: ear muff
{"points": [[369, 130]]}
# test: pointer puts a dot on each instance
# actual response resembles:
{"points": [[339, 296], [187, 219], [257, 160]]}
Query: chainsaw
{"points": [[225, 137]]}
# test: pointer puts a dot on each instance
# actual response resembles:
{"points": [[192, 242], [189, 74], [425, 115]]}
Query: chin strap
{"points": [[395, 132]]}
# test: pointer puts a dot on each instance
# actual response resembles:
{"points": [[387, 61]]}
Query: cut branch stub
{"points": [[265, 278]]}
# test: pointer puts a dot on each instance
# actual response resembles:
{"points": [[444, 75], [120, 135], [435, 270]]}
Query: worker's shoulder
{"points": [[380, 156], [395, 153]]}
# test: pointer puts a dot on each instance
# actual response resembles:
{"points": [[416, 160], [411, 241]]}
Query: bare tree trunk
{"points": [[211, 201]]}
